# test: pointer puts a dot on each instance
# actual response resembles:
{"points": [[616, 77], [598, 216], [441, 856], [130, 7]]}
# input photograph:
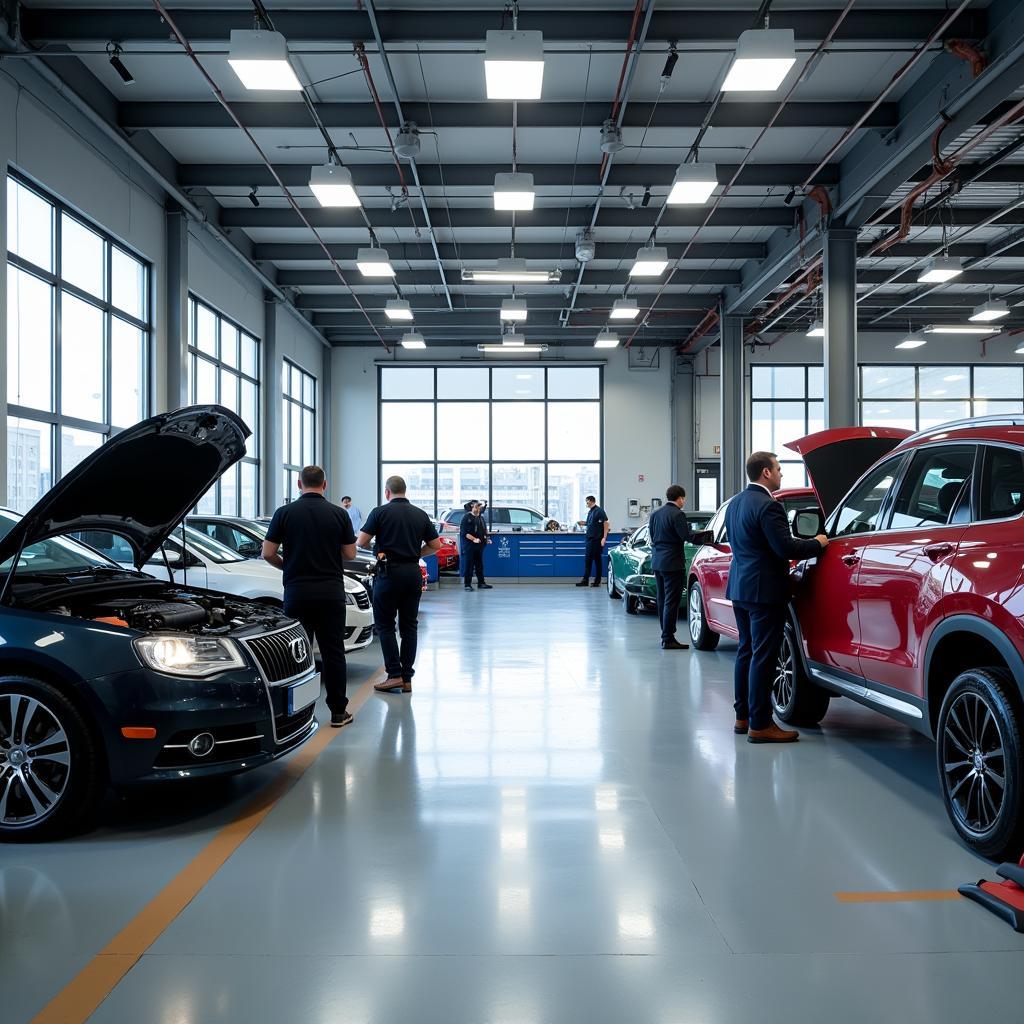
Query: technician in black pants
{"points": [[473, 532], [597, 527], [404, 535], [309, 539], [670, 532]]}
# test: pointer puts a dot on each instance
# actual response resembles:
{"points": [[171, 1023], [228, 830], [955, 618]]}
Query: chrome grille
{"points": [[363, 600], [273, 654]]}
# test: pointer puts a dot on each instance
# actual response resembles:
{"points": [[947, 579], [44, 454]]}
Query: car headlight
{"points": [[191, 656], [349, 598]]}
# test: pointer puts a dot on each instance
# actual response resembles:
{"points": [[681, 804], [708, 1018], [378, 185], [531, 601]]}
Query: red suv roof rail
{"points": [[996, 420]]}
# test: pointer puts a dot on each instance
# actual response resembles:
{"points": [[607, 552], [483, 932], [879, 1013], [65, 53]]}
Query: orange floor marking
{"points": [[910, 896]]}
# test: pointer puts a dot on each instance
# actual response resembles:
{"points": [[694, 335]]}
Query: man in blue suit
{"points": [[762, 549]]}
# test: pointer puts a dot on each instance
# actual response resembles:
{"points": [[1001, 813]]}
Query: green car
{"points": [[629, 566]]}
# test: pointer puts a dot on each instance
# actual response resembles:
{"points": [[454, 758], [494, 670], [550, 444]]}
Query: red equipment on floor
{"points": [[1004, 899]]}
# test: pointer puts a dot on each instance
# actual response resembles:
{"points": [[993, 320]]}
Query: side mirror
{"points": [[174, 559], [808, 523], [249, 549], [702, 537]]}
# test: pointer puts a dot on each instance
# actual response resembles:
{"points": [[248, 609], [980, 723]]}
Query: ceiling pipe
{"points": [[371, 13], [966, 51], [187, 47]]}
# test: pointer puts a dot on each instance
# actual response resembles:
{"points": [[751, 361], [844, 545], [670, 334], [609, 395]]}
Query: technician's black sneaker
{"points": [[468, 588], [583, 583], [340, 718], [597, 584], [484, 586]]}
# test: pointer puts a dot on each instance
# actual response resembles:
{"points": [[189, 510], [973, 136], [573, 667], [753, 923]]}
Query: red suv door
{"points": [[904, 570]]}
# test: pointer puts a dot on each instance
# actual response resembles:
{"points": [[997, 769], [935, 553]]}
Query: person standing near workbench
{"points": [[474, 536], [597, 527]]}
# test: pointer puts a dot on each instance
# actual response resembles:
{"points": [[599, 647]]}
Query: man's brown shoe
{"points": [[773, 734], [391, 684], [740, 727]]}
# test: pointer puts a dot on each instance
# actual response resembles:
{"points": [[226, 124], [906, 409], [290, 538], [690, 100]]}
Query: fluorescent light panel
{"points": [[912, 341], [260, 59], [514, 65], [374, 263], [940, 270], [332, 186], [624, 309], [764, 56], [607, 339], [413, 339], [513, 310], [514, 340], [693, 185], [513, 271], [513, 191], [960, 329], [650, 262], [398, 309], [512, 349], [989, 311], [817, 330]]}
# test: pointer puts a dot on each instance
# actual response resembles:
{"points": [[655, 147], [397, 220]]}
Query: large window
{"points": [[78, 340], [520, 436], [223, 369], [917, 397], [786, 403], [298, 423]]}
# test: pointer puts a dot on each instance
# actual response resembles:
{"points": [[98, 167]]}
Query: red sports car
{"points": [[916, 608], [447, 554]]}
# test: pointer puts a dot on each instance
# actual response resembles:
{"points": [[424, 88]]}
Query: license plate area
{"points": [[301, 695]]}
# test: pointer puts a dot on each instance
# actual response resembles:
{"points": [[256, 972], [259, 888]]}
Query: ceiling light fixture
{"points": [[513, 310], [940, 269], [624, 309], [764, 56], [332, 185], [412, 339], [651, 261], [959, 329], [374, 263], [513, 191], [253, 198], [260, 59], [606, 339], [817, 330], [912, 341], [512, 271], [514, 339], [514, 65], [407, 142], [114, 52], [991, 310], [512, 349], [611, 138], [397, 309], [693, 184]]}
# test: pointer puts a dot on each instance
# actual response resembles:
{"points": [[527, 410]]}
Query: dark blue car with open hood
{"points": [[112, 676]]}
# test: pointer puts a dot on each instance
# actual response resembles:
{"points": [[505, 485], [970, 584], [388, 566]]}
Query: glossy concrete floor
{"points": [[558, 826]]}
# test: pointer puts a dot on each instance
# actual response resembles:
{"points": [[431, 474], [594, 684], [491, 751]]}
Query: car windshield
{"points": [[254, 526], [208, 547], [58, 555]]}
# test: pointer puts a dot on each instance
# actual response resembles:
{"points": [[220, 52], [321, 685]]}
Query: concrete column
{"points": [[840, 286], [176, 394], [271, 465], [733, 407], [324, 413]]}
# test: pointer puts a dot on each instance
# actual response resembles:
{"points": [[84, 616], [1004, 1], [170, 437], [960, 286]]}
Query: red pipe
{"points": [[966, 51]]}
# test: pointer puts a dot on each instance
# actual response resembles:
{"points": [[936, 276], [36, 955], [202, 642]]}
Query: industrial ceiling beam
{"points": [[139, 116], [332, 309], [709, 26], [409, 278]]}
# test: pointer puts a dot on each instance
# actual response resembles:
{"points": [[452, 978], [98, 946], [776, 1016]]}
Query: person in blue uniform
{"points": [[597, 527], [762, 549], [404, 535], [670, 533], [473, 533]]}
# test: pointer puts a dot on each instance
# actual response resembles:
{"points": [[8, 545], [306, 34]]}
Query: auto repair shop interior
{"points": [[516, 253]]}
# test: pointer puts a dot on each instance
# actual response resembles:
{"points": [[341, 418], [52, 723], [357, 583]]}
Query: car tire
{"points": [[988, 818], [796, 698], [702, 636], [632, 604], [57, 790], [613, 590]]}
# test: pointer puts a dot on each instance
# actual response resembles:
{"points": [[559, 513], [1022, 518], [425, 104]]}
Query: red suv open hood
{"points": [[836, 459]]}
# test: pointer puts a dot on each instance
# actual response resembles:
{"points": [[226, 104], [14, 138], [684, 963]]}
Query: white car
{"points": [[213, 566]]}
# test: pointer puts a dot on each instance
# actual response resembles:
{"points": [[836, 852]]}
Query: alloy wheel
{"points": [[35, 760], [974, 762], [611, 580], [696, 614], [785, 671]]}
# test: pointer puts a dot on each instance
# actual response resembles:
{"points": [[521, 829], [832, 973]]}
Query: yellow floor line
{"points": [[910, 896], [78, 1000]]}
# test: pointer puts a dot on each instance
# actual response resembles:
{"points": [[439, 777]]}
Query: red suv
{"points": [[916, 608]]}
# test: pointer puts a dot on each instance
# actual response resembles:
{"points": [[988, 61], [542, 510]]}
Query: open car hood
{"points": [[141, 483], [836, 459]]}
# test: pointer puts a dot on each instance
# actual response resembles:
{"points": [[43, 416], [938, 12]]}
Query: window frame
{"points": [[288, 400], [806, 401], [901, 461], [59, 287], [985, 451], [490, 461], [923, 451]]}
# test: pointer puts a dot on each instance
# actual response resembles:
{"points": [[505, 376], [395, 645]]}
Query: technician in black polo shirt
{"points": [[596, 525], [310, 539], [404, 535]]}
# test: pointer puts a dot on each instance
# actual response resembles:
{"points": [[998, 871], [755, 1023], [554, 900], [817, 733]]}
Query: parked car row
{"points": [[915, 609]]}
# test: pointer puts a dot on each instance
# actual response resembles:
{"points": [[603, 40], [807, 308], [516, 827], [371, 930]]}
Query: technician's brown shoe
{"points": [[773, 734], [391, 684], [740, 727]]}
